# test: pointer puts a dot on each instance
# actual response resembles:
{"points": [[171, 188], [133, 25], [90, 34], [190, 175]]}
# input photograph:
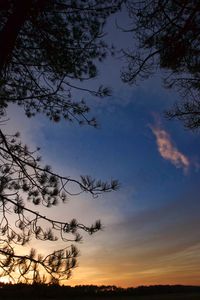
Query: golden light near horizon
{"points": [[130, 270], [6, 280], [167, 270], [145, 260]]}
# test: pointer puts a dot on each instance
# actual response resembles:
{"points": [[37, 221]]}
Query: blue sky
{"points": [[151, 225]]}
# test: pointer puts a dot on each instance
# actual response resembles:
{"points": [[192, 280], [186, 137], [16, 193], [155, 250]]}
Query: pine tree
{"points": [[166, 35], [46, 47]]}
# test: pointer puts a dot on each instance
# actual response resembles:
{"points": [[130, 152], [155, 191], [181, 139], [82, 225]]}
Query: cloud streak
{"points": [[157, 246], [168, 150]]}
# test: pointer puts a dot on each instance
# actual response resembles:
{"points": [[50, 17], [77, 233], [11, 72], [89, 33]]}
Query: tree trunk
{"points": [[20, 13]]}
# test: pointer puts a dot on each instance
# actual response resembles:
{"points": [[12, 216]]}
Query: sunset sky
{"points": [[151, 224]]}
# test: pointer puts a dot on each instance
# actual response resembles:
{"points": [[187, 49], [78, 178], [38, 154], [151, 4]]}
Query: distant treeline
{"points": [[91, 290]]}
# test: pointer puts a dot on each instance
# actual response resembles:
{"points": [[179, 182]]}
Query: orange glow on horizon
{"points": [[134, 280]]}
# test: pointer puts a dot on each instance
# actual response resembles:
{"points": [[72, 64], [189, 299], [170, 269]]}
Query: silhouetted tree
{"points": [[45, 46], [166, 35]]}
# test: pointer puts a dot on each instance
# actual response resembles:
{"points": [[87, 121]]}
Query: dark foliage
{"points": [[166, 35], [97, 292], [45, 47]]}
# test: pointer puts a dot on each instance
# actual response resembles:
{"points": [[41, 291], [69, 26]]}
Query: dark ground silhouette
{"points": [[42, 291]]}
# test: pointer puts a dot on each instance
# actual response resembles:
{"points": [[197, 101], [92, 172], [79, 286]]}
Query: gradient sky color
{"points": [[151, 225]]}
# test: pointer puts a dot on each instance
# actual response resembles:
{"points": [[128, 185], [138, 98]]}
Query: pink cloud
{"points": [[168, 150]]}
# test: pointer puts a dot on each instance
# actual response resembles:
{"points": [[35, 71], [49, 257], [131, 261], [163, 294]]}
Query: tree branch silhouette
{"points": [[46, 47]]}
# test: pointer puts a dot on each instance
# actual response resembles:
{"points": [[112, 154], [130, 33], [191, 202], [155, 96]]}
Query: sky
{"points": [[151, 224]]}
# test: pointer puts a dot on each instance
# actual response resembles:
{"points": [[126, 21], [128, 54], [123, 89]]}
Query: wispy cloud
{"points": [[168, 150], [156, 246]]}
